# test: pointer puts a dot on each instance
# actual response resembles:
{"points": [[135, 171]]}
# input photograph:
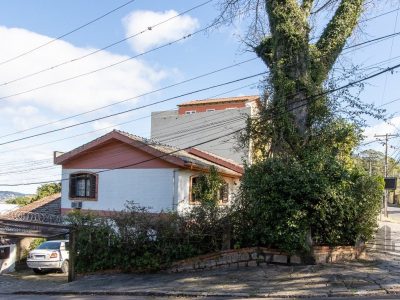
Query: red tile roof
{"points": [[37, 204], [180, 157]]}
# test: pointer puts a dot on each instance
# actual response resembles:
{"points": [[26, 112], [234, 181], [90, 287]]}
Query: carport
{"points": [[30, 224]]}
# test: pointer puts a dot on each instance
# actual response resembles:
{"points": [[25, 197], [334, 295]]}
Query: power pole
{"points": [[386, 136]]}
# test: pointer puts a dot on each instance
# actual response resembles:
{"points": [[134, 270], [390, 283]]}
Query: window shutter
{"points": [[72, 186], [93, 185]]}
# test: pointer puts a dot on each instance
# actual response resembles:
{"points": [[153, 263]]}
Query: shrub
{"points": [[137, 240], [284, 202]]}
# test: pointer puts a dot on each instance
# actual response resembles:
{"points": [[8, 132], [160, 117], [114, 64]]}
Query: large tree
{"points": [[310, 188], [298, 65]]}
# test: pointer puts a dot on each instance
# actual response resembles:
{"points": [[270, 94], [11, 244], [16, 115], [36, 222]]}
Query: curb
{"points": [[211, 294]]}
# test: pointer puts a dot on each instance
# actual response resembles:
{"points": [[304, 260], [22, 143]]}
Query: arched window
{"points": [[83, 186]]}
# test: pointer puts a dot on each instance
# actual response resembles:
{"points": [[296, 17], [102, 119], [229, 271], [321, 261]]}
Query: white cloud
{"points": [[167, 32], [125, 80], [390, 127]]}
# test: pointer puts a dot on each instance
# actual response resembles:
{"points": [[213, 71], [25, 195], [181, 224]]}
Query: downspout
{"points": [[174, 205]]}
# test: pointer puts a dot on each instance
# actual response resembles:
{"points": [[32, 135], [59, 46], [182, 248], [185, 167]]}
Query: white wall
{"points": [[8, 265], [147, 187]]}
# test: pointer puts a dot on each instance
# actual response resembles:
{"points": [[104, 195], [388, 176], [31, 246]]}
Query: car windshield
{"points": [[50, 245]]}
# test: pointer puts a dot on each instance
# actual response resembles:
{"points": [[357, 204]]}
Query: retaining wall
{"points": [[248, 257]]}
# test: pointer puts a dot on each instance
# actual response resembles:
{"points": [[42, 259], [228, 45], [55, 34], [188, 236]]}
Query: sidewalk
{"points": [[345, 279]]}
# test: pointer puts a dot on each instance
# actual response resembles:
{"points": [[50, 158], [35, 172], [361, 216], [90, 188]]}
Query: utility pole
{"points": [[386, 136]]}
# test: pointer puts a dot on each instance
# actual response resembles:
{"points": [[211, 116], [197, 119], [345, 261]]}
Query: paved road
{"points": [[45, 297]]}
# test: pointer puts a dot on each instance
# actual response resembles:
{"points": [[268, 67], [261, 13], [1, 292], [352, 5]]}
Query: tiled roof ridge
{"points": [[147, 141], [217, 156], [214, 100]]}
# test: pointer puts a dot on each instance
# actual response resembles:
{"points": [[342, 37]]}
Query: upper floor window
{"points": [[189, 112], [83, 185], [210, 109]]}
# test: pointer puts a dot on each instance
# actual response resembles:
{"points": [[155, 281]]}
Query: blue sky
{"points": [[27, 24]]}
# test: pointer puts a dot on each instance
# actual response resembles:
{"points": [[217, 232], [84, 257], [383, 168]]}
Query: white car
{"points": [[49, 255]]}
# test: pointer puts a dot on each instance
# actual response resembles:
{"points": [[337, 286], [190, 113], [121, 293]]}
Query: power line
{"points": [[111, 65], [149, 28], [237, 131], [66, 34], [390, 54], [132, 98], [163, 139], [140, 162], [149, 51], [123, 123], [135, 97], [132, 109]]}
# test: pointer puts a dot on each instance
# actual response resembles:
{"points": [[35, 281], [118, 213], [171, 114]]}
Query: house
{"points": [[117, 167], [49, 205], [201, 120], [15, 249]]}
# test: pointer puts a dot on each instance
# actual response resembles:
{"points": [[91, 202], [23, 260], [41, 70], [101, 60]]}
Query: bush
{"points": [[284, 202], [137, 240]]}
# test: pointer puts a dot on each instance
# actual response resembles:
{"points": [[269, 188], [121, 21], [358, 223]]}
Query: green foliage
{"points": [[21, 201], [137, 240], [41, 192], [374, 162], [47, 190], [208, 186], [33, 245], [283, 201]]}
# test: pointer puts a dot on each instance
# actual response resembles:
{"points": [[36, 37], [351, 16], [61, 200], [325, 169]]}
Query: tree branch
{"points": [[264, 50], [307, 6], [335, 35]]}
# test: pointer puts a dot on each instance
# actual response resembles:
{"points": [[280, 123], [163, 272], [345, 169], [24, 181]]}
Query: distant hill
{"points": [[6, 195]]}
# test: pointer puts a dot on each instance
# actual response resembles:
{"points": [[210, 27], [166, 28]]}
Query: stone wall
{"points": [[249, 257]]}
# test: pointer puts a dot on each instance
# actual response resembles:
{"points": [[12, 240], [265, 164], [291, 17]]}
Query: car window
{"points": [[49, 246], [67, 246]]}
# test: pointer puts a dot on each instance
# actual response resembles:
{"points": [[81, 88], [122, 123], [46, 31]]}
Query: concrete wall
{"points": [[159, 189], [181, 131], [8, 265], [152, 188]]}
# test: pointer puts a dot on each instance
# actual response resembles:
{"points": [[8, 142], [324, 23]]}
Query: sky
{"points": [[71, 78]]}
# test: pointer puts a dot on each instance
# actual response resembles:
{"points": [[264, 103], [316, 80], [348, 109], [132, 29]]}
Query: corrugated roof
{"points": [[220, 100]]}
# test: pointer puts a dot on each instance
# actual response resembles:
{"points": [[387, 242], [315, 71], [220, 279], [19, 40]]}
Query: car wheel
{"points": [[37, 271], [65, 267]]}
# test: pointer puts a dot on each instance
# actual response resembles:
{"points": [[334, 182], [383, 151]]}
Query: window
{"points": [[192, 197], [210, 109], [4, 252], [82, 185], [230, 108], [190, 112], [224, 193]]}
